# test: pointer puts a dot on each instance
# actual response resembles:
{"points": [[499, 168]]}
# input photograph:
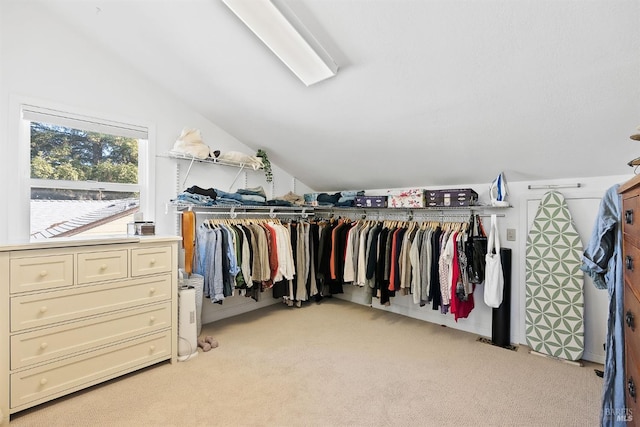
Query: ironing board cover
{"points": [[554, 282]]}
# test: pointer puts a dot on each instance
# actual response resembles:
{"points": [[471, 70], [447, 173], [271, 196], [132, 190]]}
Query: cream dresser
{"points": [[74, 313]]}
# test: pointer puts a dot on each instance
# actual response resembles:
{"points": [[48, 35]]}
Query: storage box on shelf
{"points": [[371, 201], [412, 198], [77, 313], [452, 198]]}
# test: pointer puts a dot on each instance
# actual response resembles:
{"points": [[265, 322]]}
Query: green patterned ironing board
{"points": [[554, 284]]}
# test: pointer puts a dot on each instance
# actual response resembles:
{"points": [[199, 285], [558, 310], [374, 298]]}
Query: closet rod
{"points": [[234, 214], [408, 217], [552, 186], [456, 216], [256, 213]]}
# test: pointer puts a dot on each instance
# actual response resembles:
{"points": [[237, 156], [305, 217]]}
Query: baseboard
{"points": [[234, 306], [593, 357], [402, 306]]}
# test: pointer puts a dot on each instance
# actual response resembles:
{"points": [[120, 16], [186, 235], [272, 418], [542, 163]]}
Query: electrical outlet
{"points": [[511, 234]]}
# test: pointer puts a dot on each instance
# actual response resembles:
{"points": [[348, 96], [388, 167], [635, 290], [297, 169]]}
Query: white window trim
{"points": [[19, 213], [84, 185], [36, 113]]}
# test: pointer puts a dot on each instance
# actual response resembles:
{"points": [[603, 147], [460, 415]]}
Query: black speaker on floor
{"points": [[501, 322]]}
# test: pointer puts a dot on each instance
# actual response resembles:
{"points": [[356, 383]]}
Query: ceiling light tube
{"points": [[294, 45]]}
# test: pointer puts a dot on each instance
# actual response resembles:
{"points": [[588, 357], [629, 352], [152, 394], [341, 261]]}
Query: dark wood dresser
{"points": [[630, 192]]}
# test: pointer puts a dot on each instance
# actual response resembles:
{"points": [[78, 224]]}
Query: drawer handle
{"points": [[43, 273], [631, 386], [152, 290], [44, 345], [628, 216], [43, 381], [43, 309], [152, 348], [103, 267], [152, 319], [629, 263], [152, 261], [630, 319]]}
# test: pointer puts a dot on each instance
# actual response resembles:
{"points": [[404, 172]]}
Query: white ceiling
{"points": [[428, 92]]}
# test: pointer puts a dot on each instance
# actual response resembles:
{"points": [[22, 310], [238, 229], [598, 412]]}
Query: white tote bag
{"points": [[493, 277]]}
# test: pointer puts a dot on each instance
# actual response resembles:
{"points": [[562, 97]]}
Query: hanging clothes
{"points": [[462, 302], [252, 255], [435, 295], [425, 257], [414, 258], [209, 261], [382, 279], [389, 258], [444, 279], [602, 261]]}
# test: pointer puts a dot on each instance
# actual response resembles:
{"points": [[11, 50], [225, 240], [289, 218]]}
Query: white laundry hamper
{"points": [[189, 312], [195, 281], [187, 338]]}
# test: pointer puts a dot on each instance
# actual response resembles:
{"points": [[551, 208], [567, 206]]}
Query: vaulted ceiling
{"points": [[428, 92]]}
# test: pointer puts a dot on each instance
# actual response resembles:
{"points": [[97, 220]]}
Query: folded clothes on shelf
{"points": [[193, 199], [339, 199]]}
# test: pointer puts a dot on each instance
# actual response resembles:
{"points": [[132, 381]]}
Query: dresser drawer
{"points": [[50, 343], [631, 215], [40, 272], [58, 378], [631, 265], [152, 260], [631, 384], [44, 309], [101, 266], [632, 319]]}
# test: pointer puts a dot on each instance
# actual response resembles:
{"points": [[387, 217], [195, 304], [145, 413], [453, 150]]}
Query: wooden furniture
{"points": [[75, 313], [630, 192]]}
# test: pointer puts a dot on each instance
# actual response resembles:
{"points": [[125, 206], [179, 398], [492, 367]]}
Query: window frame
{"points": [[146, 154]]}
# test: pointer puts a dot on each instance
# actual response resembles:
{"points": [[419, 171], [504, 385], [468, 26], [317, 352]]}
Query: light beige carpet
{"points": [[338, 364]]}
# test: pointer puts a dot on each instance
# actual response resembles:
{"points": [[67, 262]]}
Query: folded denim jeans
{"points": [[223, 201], [252, 198], [256, 191], [195, 199], [225, 195]]}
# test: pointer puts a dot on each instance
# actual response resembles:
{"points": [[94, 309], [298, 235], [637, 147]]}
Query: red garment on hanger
{"points": [[459, 308]]}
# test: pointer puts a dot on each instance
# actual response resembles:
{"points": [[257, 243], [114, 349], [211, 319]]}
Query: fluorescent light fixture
{"points": [[294, 45]]}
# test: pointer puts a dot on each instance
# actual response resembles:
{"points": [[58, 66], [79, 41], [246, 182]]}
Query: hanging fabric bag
{"points": [[477, 245], [494, 278]]}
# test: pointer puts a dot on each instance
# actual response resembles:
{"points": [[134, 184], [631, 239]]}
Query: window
{"points": [[87, 174]]}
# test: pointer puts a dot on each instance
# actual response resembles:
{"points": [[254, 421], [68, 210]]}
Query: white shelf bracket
{"points": [[236, 177], [188, 172]]}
